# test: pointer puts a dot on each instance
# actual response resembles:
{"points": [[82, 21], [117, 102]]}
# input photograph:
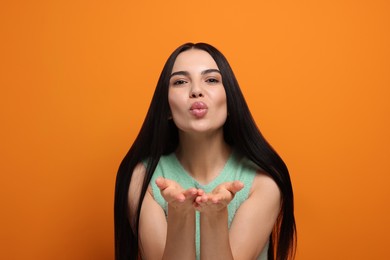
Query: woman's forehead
{"points": [[193, 60]]}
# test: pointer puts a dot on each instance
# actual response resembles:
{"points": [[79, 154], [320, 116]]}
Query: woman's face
{"points": [[196, 96]]}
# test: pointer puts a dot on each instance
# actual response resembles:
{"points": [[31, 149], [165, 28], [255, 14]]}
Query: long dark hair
{"points": [[159, 136]]}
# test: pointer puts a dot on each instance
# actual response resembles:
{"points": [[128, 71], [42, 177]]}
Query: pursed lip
{"points": [[198, 109], [198, 105]]}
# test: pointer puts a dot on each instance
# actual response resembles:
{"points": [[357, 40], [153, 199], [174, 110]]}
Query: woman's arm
{"points": [[252, 224], [152, 230], [180, 241], [159, 238], [214, 233], [255, 219]]}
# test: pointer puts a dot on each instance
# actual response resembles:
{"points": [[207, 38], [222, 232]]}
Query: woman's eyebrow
{"points": [[186, 73], [210, 71]]}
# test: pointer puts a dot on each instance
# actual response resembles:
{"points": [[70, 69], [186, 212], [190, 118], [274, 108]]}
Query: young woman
{"points": [[200, 181]]}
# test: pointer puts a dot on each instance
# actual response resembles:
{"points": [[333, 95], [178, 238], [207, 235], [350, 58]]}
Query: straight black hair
{"points": [[159, 136]]}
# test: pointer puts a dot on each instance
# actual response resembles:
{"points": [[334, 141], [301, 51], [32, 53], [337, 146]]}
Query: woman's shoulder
{"points": [[263, 183], [261, 180]]}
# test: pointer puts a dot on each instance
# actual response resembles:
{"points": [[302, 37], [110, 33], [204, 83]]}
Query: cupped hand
{"points": [[175, 195], [219, 198]]}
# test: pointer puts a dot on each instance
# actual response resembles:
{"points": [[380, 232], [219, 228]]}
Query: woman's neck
{"points": [[203, 156]]}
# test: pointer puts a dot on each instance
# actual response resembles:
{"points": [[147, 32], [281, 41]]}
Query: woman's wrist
{"points": [[181, 210], [215, 215]]}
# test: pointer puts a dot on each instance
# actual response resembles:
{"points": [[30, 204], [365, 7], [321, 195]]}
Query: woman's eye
{"points": [[212, 80], [179, 82]]}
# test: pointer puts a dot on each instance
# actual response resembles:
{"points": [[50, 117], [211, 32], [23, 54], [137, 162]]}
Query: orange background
{"points": [[77, 78]]}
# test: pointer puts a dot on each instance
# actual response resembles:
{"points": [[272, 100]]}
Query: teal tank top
{"points": [[236, 168]]}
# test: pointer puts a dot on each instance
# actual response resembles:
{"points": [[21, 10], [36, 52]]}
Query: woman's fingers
{"points": [[202, 199], [234, 187], [219, 198], [191, 192], [170, 190], [187, 195], [167, 184], [174, 193], [162, 183]]}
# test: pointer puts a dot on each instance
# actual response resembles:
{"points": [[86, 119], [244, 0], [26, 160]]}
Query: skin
{"points": [[203, 153]]}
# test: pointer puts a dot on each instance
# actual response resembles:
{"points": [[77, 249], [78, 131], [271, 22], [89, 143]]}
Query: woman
{"points": [[200, 181]]}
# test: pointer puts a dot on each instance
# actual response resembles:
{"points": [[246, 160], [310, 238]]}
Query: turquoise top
{"points": [[236, 168]]}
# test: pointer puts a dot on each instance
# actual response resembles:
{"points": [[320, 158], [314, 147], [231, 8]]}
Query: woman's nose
{"points": [[196, 91], [196, 94]]}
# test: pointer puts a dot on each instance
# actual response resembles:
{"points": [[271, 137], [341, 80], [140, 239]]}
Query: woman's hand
{"points": [[176, 196], [219, 198]]}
